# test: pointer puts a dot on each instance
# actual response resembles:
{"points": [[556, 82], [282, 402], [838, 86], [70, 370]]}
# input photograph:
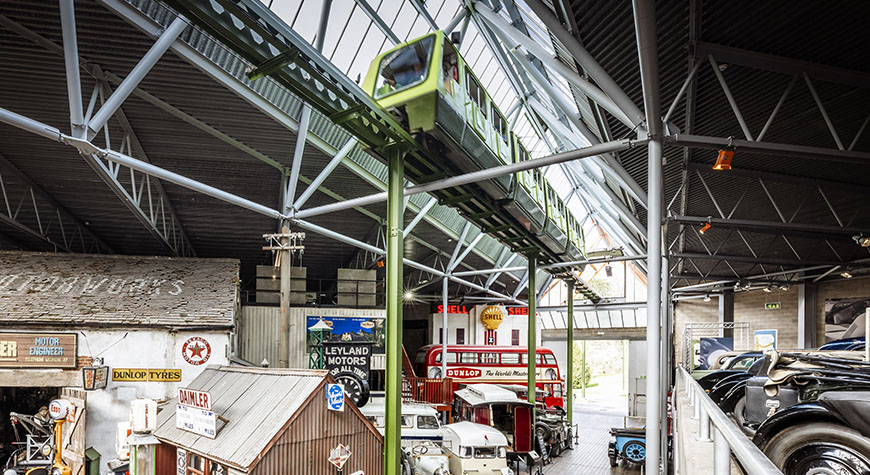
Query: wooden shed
{"points": [[270, 422]]}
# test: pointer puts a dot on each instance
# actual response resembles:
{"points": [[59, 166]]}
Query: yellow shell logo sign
{"points": [[492, 317]]}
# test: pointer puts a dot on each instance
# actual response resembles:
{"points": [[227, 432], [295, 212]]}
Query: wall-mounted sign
{"points": [[130, 374], [181, 465], [196, 350], [454, 309], [772, 305], [194, 398], [350, 357], [518, 311], [492, 317], [339, 455], [335, 397], [198, 421], [142, 375], [166, 375], [765, 340], [38, 350], [95, 377], [354, 330]]}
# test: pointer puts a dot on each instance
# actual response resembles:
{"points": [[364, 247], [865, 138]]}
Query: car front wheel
{"points": [[820, 448]]}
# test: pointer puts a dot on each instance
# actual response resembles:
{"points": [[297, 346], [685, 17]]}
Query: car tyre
{"points": [[740, 411], [543, 430], [819, 447]]}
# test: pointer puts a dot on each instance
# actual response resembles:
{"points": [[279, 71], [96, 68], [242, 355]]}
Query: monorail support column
{"points": [[393, 403], [532, 256], [570, 402]]}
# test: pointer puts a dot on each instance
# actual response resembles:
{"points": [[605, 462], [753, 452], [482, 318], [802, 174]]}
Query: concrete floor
{"points": [[589, 457]]}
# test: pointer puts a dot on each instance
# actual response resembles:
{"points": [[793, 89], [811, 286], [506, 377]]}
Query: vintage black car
{"points": [[811, 413]]}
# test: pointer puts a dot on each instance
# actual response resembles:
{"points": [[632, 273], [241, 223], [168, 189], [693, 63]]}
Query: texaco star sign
{"points": [[196, 350]]}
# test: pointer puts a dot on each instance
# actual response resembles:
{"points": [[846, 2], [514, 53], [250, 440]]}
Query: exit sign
{"points": [[772, 305]]}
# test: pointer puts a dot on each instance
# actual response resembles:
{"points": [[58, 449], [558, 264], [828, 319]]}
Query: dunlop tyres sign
{"points": [[146, 375], [38, 350]]}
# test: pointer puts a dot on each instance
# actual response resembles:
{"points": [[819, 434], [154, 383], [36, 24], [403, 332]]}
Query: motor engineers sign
{"points": [[38, 350]]}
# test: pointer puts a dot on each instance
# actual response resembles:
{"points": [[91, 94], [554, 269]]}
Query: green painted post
{"points": [[570, 283], [532, 346], [583, 371], [395, 253]]}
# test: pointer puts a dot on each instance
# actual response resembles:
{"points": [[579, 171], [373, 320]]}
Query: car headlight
{"points": [[56, 471], [46, 450]]}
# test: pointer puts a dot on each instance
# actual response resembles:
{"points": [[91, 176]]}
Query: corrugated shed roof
{"points": [[257, 404]]}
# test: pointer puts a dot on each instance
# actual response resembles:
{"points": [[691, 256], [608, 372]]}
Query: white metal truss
{"points": [[28, 209]]}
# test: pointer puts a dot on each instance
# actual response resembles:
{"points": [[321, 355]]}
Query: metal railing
{"points": [[431, 390], [727, 437]]}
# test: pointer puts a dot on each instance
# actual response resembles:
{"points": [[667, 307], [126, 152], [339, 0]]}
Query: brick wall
{"points": [[749, 307], [77, 289]]}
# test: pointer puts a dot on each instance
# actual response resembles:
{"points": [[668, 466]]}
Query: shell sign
{"points": [[492, 317]]}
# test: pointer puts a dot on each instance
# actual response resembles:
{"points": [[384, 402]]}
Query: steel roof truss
{"points": [[55, 225]]}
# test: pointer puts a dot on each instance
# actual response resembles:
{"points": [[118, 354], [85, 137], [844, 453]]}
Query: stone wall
{"points": [[749, 307]]}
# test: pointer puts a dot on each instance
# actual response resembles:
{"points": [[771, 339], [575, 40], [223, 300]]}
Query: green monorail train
{"points": [[427, 84]]}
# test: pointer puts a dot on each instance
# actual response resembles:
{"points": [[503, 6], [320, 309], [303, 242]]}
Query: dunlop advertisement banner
{"points": [[142, 375], [38, 350]]}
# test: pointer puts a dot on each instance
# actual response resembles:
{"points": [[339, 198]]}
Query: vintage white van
{"points": [[475, 449], [419, 421]]}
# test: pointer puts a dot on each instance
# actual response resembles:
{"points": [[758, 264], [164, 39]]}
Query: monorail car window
{"points": [[468, 357], [499, 124], [510, 358], [450, 66], [475, 92], [404, 68]]}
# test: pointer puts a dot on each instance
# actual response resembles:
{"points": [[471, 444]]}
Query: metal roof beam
{"points": [[421, 9], [780, 178], [71, 63], [780, 64], [136, 75], [770, 226], [771, 148], [160, 217], [354, 242], [476, 176], [582, 56], [382, 25], [756, 260], [57, 227]]}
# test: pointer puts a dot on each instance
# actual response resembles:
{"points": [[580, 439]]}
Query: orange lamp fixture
{"points": [[723, 161], [706, 227]]}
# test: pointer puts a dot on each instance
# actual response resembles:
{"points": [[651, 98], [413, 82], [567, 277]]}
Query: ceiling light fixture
{"points": [[861, 240], [846, 274], [707, 297], [608, 270], [706, 227], [723, 161], [768, 289]]}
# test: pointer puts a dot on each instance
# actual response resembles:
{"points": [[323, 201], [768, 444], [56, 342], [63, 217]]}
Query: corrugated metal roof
{"points": [[257, 404]]}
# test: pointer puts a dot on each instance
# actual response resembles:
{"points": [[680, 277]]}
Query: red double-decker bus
{"points": [[493, 364]]}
